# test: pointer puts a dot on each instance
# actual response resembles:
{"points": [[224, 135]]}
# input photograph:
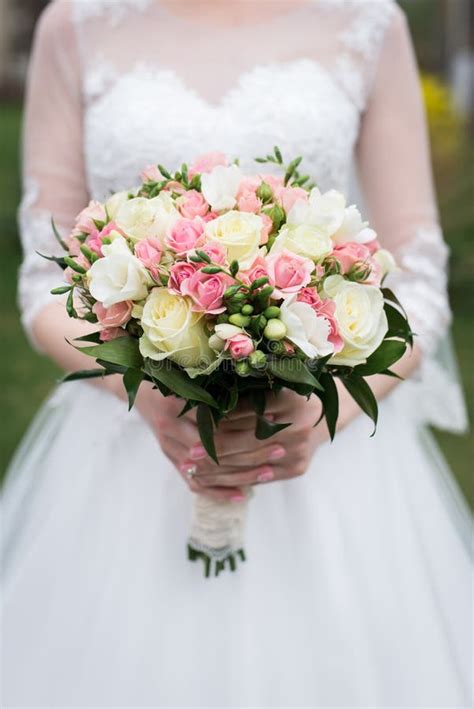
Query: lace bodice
{"points": [[118, 84]]}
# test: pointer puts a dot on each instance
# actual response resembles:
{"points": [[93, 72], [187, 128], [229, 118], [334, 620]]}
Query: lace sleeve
{"points": [[53, 171], [395, 172]]}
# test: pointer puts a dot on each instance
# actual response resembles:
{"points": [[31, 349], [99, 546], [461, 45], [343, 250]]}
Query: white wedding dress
{"points": [[356, 591]]}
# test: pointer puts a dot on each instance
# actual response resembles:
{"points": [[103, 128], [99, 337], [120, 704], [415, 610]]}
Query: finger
{"points": [[261, 474], [220, 494]]}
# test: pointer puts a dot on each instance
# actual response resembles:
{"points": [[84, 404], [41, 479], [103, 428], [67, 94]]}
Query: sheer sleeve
{"points": [[395, 174], [53, 170]]}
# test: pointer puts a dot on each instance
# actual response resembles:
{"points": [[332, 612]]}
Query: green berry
{"points": [[239, 320], [247, 309], [273, 311], [275, 329]]}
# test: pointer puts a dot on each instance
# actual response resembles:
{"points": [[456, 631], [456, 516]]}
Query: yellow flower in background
{"points": [[445, 121]]}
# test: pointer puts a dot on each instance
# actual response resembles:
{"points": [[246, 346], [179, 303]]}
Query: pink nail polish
{"points": [[270, 417], [197, 452], [277, 453], [265, 476], [237, 498]]}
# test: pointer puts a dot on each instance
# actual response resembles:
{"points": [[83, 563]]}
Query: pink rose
{"points": [[207, 290], [267, 228], [117, 314], [247, 201], [149, 252], [73, 244], [95, 239], [210, 216], [257, 270], [276, 182], [151, 174], [373, 246], [179, 273], [350, 253], [327, 309], [94, 212], [214, 250], [289, 272], [111, 333], [310, 296], [192, 204], [174, 186], [206, 163], [239, 346], [288, 196], [185, 235], [375, 275]]}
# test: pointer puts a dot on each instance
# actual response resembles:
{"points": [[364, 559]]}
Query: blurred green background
{"points": [[26, 377]]}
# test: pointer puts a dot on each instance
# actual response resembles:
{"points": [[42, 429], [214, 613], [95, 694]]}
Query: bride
{"points": [[356, 588]]}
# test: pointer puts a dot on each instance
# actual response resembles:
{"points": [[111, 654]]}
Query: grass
{"points": [[26, 377]]}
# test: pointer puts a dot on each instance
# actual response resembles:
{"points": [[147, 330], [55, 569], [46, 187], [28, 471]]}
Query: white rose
{"points": [[239, 233], [305, 240], [360, 316], [219, 187], [386, 261], [114, 203], [305, 328], [173, 330], [118, 276], [140, 218], [353, 228]]}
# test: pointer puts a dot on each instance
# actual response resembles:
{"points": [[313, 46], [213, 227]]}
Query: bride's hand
{"points": [[244, 460], [176, 437]]}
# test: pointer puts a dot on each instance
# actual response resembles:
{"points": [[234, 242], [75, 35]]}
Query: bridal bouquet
{"points": [[216, 285]]}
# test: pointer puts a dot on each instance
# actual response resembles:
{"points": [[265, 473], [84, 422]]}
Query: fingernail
{"points": [[238, 498], [270, 417], [277, 453], [265, 475], [197, 452]]}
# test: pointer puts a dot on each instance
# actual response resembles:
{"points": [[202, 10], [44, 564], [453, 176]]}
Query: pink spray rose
{"points": [[185, 235], [289, 272], [287, 196], [151, 174], [350, 253], [180, 272], [267, 228], [325, 309], [94, 212], [192, 204], [247, 200], [206, 163], [111, 333], [214, 250], [149, 252], [207, 290], [257, 270], [95, 239], [117, 314], [239, 346]]}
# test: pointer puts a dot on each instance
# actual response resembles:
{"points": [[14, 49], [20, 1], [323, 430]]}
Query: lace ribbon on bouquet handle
{"points": [[217, 533]]}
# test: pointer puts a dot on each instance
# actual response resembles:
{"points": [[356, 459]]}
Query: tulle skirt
{"points": [[356, 590]]}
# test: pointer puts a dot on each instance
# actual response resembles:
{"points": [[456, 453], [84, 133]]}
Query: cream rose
{"points": [[140, 218], [118, 276], [114, 203], [305, 328], [173, 330], [239, 233], [220, 186], [386, 261], [305, 240], [360, 316]]}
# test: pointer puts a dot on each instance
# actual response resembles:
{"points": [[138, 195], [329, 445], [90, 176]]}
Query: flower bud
{"points": [[239, 320], [258, 359], [275, 329], [216, 343], [265, 192], [242, 368], [273, 311], [247, 309]]}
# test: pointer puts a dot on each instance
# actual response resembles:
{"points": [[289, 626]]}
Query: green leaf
{"points": [[265, 429], [203, 256], [123, 351], [278, 154], [58, 237], [258, 400], [92, 337], [398, 325], [330, 400], [205, 424], [131, 381], [362, 395], [389, 352], [84, 374], [57, 259], [164, 172], [292, 369], [177, 381]]}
